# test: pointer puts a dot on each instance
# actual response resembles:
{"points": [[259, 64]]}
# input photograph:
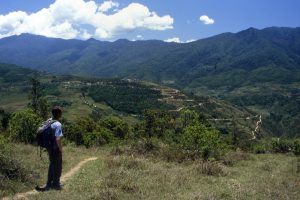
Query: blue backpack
{"points": [[46, 136]]}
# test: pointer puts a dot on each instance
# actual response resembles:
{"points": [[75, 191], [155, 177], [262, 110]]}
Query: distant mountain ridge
{"points": [[255, 69], [156, 60]]}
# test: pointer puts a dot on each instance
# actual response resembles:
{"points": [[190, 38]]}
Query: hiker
{"points": [[54, 152]]}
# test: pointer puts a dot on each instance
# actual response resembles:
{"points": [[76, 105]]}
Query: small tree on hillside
{"points": [[202, 140], [37, 102], [35, 93], [23, 126]]}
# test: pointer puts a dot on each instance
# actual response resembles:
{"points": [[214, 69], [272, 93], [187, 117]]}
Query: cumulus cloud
{"points": [[206, 20], [190, 40], [178, 40], [107, 5], [174, 39], [83, 19]]}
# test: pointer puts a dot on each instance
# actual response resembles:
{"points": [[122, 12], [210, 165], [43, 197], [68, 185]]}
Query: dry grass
{"points": [[30, 159], [123, 176]]}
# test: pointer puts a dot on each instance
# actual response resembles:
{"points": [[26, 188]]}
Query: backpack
{"points": [[45, 135]]}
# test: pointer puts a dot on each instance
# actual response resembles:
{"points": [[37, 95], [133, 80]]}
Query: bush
{"points": [[203, 140], [4, 119], [296, 148], [9, 167], [23, 126], [119, 127], [12, 169], [76, 130], [4, 145], [98, 138], [259, 148], [281, 145], [173, 153], [144, 146], [211, 169]]}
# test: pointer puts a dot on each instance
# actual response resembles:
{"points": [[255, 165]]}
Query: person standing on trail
{"points": [[55, 153]]}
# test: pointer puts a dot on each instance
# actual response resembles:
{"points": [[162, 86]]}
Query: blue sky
{"points": [[228, 16]]}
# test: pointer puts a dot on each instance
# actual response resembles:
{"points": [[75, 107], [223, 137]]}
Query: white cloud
{"points": [[139, 37], [107, 5], [174, 39], [83, 19], [206, 20], [178, 40], [190, 40]]}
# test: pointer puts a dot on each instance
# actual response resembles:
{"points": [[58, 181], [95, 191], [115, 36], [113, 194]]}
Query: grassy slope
{"points": [[31, 160], [269, 176]]}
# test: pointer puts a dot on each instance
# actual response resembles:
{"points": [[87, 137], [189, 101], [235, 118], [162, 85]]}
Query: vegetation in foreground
{"points": [[123, 174], [167, 157], [163, 155]]}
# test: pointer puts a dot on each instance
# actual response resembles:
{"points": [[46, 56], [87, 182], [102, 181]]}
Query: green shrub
{"points": [[211, 168], [118, 126], [259, 148], [76, 130], [73, 132], [174, 153], [203, 140], [23, 126], [188, 117], [296, 148], [11, 168], [144, 146], [4, 145], [281, 145], [98, 138]]}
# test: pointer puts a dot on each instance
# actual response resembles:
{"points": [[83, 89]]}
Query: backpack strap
{"points": [[50, 122]]}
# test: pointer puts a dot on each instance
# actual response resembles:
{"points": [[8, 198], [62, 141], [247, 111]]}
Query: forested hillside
{"points": [[247, 55], [256, 69]]}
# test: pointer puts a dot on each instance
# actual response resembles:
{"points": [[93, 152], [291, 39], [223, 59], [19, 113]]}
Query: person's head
{"points": [[56, 112]]}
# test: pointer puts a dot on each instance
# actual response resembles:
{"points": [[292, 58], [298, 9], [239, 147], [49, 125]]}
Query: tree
{"points": [[201, 139], [75, 131], [119, 128], [23, 126], [188, 117], [4, 116], [43, 108], [37, 102], [156, 122], [35, 93]]}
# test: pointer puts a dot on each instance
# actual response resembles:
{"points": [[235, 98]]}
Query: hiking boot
{"points": [[57, 186], [42, 189]]}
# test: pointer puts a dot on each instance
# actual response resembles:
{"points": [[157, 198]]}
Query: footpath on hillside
{"points": [[64, 178]]}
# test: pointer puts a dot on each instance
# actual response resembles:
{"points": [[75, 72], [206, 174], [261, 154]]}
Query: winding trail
{"points": [[256, 130], [64, 178]]}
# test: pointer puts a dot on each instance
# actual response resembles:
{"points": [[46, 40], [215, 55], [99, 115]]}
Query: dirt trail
{"points": [[63, 179]]}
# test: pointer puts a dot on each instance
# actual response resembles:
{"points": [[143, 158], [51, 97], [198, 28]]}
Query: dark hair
{"points": [[56, 111]]}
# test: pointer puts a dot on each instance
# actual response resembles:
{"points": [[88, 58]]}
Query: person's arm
{"points": [[59, 144], [59, 135]]}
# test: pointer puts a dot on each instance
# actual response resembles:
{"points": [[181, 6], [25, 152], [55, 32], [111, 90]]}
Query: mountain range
{"points": [[257, 69], [248, 53]]}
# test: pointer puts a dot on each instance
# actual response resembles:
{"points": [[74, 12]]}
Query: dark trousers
{"points": [[55, 167]]}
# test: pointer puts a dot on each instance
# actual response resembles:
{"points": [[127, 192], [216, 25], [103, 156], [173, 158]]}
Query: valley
{"points": [[216, 118]]}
